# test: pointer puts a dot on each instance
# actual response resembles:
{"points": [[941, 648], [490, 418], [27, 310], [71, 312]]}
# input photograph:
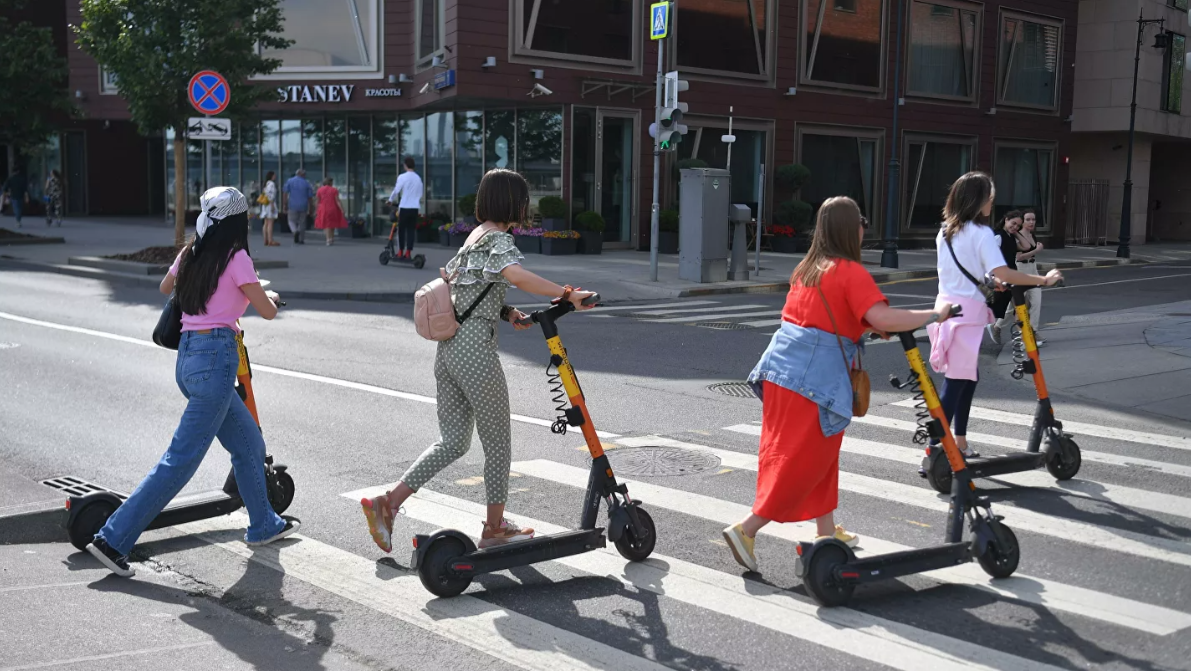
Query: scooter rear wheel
{"points": [[419, 261], [1001, 556], [384, 258], [435, 569], [88, 522], [281, 491], [938, 471], [637, 549], [820, 579], [1066, 460]]}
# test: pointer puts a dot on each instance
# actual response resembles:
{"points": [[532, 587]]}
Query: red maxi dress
{"points": [[329, 215], [798, 469]]}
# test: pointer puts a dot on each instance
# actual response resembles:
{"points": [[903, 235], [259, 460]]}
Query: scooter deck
{"points": [[906, 562], [195, 507], [987, 467], [522, 553]]}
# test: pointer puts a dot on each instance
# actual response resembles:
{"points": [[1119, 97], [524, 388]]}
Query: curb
{"points": [[138, 268], [35, 240]]}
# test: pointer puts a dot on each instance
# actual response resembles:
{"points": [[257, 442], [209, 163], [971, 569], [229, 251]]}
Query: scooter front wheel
{"points": [[88, 522], [1002, 554], [1065, 461], [419, 261], [820, 578], [435, 569], [384, 258], [633, 548], [938, 471], [281, 491]]}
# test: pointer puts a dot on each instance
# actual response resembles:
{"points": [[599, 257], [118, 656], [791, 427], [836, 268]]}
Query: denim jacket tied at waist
{"points": [[807, 361]]}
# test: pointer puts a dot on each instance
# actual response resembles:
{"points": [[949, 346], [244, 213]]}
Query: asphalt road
{"points": [[346, 399]]}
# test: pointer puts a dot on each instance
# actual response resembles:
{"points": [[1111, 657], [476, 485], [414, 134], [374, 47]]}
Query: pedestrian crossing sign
{"points": [[659, 20]]}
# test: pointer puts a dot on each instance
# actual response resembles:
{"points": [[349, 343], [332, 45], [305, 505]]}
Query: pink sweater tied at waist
{"points": [[955, 343]]}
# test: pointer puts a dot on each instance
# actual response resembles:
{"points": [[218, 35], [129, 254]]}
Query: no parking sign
{"points": [[209, 92]]}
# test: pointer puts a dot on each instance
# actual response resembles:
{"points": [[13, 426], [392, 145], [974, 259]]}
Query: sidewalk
{"points": [[350, 269]]}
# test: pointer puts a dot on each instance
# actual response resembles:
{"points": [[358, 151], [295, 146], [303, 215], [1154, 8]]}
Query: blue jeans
{"points": [[18, 208], [956, 402], [205, 372]]}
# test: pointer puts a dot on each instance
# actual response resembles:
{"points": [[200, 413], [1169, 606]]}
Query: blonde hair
{"points": [[835, 238]]}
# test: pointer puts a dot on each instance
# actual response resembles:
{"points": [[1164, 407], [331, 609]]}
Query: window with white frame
{"points": [[592, 31], [107, 82], [1028, 61], [431, 30], [329, 36]]}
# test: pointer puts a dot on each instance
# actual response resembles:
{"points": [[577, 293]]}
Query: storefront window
{"points": [[1028, 61], [312, 151], [842, 42], [840, 165], [1023, 175], [384, 169], [440, 138], [748, 152], [539, 151], [942, 49], [499, 134], [359, 171], [39, 162], [594, 29], [336, 36], [291, 148], [738, 29], [932, 166], [169, 173], [469, 153], [250, 162], [335, 152], [229, 160]]}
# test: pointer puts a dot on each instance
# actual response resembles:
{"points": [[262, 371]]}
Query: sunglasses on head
{"points": [[864, 221]]}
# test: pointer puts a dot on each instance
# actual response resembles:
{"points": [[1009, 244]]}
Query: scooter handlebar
{"points": [[956, 311], [560, 308]]}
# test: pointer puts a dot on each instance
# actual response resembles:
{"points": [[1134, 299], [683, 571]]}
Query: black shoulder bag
{"points": [[168, 332]]}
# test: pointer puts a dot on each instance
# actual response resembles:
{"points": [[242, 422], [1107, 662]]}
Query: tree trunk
{"points": [[179, 186]]}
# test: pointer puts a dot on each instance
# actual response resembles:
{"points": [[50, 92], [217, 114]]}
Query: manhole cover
{"points": [[655, 462], [73, 486], [734, 389], [723, 326]]}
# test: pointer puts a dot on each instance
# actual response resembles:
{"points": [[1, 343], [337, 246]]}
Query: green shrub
{"points": [[589, 220], [467, 205], [794, 213], [790, 178], [552, 207], [668, 221]]}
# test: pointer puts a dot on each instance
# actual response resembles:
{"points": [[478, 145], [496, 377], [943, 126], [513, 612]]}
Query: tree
{"points": [[154, 47], [33, 82]]}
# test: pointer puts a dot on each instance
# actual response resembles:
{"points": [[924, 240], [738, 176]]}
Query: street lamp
{"points": [[1160, 42], [892, 218]]}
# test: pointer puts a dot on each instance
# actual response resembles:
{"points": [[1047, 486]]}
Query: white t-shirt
{"points": [[978, 251], [408, 192]]}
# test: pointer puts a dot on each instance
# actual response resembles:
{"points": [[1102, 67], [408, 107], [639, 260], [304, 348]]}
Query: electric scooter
{"points": [[87, 514], [447, 560], [831, 570], [1061, 455], [390, 253]]}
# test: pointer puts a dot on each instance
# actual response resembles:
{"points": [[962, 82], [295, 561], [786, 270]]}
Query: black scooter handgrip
{"points": [[956, 311], [280, 304], [528, 321], [591, 300]]}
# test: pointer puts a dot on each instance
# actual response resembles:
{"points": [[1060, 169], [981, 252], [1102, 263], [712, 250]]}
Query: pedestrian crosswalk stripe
{"points": [[763, 322], [635, 308], [1079, 428], [1020, 444], [1058, 596], [1130, 497], [723, 308], [704, 318], [859, 634], [506, 635]]}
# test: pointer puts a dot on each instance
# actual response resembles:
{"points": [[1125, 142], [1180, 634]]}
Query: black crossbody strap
{"points": [[960, 265], [476, 303]]}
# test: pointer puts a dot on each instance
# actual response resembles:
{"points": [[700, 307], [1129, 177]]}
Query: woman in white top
{"points": [[1027, 262], [269, 208], [968, 250]]}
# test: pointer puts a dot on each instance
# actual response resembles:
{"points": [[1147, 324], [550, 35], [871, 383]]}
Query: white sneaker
{"points": [[291, 527], [994, 333]]}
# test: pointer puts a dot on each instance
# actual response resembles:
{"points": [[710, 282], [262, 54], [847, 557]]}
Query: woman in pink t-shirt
{"points": [[214, 281]]}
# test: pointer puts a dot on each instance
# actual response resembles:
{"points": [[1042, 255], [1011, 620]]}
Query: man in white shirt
{"points": [[407, 198]]}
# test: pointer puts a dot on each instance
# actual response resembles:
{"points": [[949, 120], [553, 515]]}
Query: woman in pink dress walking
{"points": [[330, 214]]}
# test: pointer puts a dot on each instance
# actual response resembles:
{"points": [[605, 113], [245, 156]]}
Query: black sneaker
{"points": [[107, 555], [292, 524]]}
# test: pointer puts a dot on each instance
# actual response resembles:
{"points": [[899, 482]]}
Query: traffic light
{"points": [[670, 126]]}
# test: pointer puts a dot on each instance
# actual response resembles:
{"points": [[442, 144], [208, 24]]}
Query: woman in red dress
{"points": [[803, 379], [330, 214]]}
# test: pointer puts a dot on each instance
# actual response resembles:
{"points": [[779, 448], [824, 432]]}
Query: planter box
{"points": [[457, 241], [591, 242], [783, 245], [427, 235], [444, 238], [558, 246], [528, 244], [552, 224], [358, 228], [667, 242]]}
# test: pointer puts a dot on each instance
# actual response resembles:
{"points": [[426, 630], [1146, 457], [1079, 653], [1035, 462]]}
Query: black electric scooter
{"points": [[391, 253], [1061, 455], [447, 560], [87, 514], [831, 570]]}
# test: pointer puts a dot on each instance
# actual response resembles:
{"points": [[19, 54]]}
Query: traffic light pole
{"points": [[657, 163]]}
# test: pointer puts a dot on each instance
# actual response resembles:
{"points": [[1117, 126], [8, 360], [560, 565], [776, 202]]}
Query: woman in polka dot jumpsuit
{"points": [[471, 383]]}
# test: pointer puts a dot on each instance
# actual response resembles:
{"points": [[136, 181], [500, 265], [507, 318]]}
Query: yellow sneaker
{"points": [[741, 546], [851, 540], [380, 521]]}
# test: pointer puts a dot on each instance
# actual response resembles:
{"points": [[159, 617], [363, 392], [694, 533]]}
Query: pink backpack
{"points": [[434, 313]]}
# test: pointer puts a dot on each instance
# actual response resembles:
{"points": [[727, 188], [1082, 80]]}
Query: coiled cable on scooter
{"points": [[558, 397], [922, 416], [1019, 353]]}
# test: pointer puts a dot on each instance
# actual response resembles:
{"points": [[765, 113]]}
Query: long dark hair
{"points": [[836, 237], [205, 259], [969, 194]]}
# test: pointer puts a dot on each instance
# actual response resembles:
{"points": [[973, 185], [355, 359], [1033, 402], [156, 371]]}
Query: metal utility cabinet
{"points": [[703, 225]]}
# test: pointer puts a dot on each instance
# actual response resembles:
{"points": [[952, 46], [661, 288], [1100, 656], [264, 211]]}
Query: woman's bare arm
{"points": [[260, 299]]}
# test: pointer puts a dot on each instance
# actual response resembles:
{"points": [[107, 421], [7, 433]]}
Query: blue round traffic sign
{"points": [[208, 92]]}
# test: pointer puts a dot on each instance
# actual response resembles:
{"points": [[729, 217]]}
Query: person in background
{"points": [[268, 203], [1006, 232], [1028, 248], [968, 250], [16, 187], [53, 199], [803, 383], [296, 200], [407, 198], [330, 213]]}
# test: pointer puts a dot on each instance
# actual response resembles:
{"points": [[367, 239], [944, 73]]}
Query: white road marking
{"points": [[723, 308], [503, 634], [861, 635], [764, 322], [259, 368], [77, 661], [1101, 284], [635, 308], [1054, 595], [705, 318], [1078, 428]]}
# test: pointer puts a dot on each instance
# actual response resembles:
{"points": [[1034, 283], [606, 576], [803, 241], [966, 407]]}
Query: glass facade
{"points": [[363, 155]]}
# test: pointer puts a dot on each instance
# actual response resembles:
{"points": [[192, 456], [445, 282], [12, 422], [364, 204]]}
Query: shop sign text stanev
{"points": [[329, 93]]}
